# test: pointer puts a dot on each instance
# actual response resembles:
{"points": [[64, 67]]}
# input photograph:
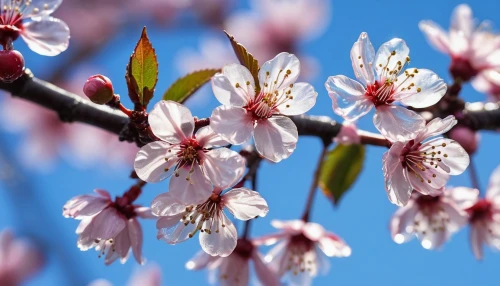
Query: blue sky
{"points": [[361, 218]]}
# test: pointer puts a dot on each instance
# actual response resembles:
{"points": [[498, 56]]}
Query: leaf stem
{"points": [[315, 182]]}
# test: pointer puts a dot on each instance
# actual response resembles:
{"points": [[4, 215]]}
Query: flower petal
{"points": [[462, 21], [493, 191], [208, 138], [464, 197], [223, 167], [332, 245], [171, 121], [477, 238], [173, 231], [155, 161], [46, 36], [245, 204], [122, 248], [166, 205], [348, 97], [190, 188], [426, 91], [362, 58], [398, 187], [435, 35], [454, 156], [313, 231], [232, 123], [234, 86], [401, 221], [279, 72], [290, 226], [85, 205], [397, 123], [428, 182], [42, 8], [302, 99], [234, 271], [135, 236], [435, 127], [388, 56], [222, 239], [276, 138], [200, 260], [107, 224], [265, 275]]}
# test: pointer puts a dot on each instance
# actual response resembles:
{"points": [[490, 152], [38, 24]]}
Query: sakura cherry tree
{"points": [[267, 108]]}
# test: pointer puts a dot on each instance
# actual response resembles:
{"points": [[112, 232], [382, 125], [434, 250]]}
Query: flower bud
{"points": [[99, 89], [462, 69], [11, 65], [466, 137], [348, 134]]}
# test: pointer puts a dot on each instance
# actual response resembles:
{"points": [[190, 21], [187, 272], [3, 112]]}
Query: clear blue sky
{"points": [[361, 218]]}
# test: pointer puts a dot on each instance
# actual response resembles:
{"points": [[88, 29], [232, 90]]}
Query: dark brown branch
{"points": [[72, 108]]}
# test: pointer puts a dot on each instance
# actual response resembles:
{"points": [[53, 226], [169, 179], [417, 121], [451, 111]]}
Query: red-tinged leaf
{"points": [[246, 59], [185, 86]]}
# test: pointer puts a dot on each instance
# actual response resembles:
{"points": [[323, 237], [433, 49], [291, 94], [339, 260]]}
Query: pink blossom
{"points": [[18, 260], [348, 134], [110, 227], [489, 83], [178, 222], [187, 155], [466, 137], [31, 20], [245, 113], [149, 275], [473, 50], [300, 255], [235, 269], [383, 83], [423, 164], [432, 219]]}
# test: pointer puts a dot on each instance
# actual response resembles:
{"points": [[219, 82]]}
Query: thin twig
{"points": [[314, 183]]}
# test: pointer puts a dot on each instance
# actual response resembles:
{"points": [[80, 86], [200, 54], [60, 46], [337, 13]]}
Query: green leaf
{"points": [[246, 59], [184, 87], [340, 170], [142, 71]]}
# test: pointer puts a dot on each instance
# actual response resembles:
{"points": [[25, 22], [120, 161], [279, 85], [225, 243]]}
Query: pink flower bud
{"points": [[348, 134], [99, 89], [11, 65], [466, 137]]}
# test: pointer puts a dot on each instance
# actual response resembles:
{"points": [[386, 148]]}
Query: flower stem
{"points": [[473, 175], [315, 182]]}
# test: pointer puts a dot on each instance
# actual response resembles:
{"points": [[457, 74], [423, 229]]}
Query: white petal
{"points": [[397, 123], [279, 72], [462, 21], [313, 231], [85, 205], [232, 123], [426, 91], [190, 188], [135, 236], [107, 224], [464, 197], [43, 8], [426, 183], [171, 121], [391, 159], [304, 98], [166, 205], [493, 191], [223, 167], [199, 261], [234, 271], [151, 161], [263, 272], [362, 58], [46, 36], [332, 245], [222, 239], [208, 138], [435, 127], [385, 59], [401, 220], [435, 35], [276, 138], [397, 186], [234, 86], [476, 240], [245, 204], [348, 97], [457, 158], [173, 231]]}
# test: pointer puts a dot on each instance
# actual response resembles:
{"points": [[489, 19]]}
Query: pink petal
{"points": [[391, 159], [290, 226], [435, 35], [222, 239], [46, 36], [24, 260], [276, 70], [155, 161], [401, 220], [149, 276], [332, 245], [385, 59], [265, 275], [232, 123], [427, 183], [426, 91], [165, 204], [200, 260], [348, 134], [84, 205], [303, 99], [276, 138], [107, 224], [135, 236], [457, 159], [234, 271], [270, 239], [235, 86], [462, 21], [464, 197], [476, 240], [171, 122], [122, 246], [173, 231], [435, 127], [348, 97], [190, 188], [245, 204], [493, 191], [398, 187], [362, 58], [103, 193], [313, 231], [223, 167], [397, 123], [84, 230], [143, 212], [208, 138]]}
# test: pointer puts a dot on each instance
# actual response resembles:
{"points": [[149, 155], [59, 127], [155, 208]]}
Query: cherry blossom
{"points": [[18, 260], [484, 216], [31, 20], [300, 255], [245, 113], [489, 83], [110, 227], [178, 222], [189, 156], [473, 50], [384, 81], [149, 275], [235, 269], [432, 219], [423, 164]]}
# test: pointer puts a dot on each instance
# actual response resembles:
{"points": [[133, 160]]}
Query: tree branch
{"points": [[72, 108]]}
